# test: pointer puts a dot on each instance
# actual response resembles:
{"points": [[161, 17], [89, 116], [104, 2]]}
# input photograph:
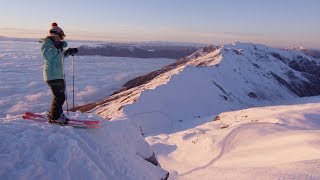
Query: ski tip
{"points": [[92, 122], [28, 113]]}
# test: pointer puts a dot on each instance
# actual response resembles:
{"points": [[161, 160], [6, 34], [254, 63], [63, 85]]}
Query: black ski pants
{"points": [[58, 91]]}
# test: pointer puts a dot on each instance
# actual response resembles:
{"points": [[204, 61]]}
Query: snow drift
{"points": [[32, 150]]}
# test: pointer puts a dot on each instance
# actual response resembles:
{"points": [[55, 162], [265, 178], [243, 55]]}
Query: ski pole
{"points": [[65, 85], [73, 81]]}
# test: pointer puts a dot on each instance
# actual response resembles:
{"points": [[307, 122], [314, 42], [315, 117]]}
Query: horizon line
{"points": [[139, 41]]}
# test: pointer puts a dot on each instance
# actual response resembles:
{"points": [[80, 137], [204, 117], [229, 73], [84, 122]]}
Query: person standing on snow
{"points": [[53, 54]]}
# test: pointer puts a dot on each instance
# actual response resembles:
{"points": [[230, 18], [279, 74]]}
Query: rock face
{"points": [[312, 52], [308, 68], [215, 79]]}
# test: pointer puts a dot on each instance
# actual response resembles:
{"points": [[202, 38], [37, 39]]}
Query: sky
{"points": [[279, 23]]}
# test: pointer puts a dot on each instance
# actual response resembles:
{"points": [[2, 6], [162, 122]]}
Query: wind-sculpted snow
{"points": [[272, 142], [33, 150]]}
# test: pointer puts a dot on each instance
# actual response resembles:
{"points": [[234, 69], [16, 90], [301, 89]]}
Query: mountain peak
{"points": [[212, 80]]}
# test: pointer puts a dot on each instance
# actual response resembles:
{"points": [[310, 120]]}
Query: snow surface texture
{"points": [[22, 87], [272, 142], [33, 150]]}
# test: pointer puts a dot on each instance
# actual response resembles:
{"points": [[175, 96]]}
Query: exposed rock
{"points": [[252, 95], [153, 160], [148, 77]]}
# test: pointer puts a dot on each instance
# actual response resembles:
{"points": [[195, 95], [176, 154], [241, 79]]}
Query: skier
{"points": [[53, 54]]}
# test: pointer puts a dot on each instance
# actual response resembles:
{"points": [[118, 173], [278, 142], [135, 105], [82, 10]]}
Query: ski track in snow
{"points": [[227, 144], [289, 124]]}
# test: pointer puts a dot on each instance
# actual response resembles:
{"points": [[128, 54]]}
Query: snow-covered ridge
{"points": [[216, 79]]}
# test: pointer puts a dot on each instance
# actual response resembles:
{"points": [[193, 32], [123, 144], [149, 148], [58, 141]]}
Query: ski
{"points": [[72, 122], [88, 122]]}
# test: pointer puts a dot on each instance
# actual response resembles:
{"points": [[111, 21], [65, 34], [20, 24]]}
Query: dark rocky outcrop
{"points": [[298, 86], [312, 52], [308, 68], [148, 77], [302, 64]]}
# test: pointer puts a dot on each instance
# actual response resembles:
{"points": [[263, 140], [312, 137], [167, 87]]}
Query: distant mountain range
{"points": [[3, 38], [154, 50], [149, 49]]}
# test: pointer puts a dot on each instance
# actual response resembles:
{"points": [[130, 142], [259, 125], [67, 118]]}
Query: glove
{"points": [[59, 45], [71, 51]]}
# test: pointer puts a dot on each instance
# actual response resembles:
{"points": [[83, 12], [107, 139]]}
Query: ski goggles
{"points": [[62, 36]]}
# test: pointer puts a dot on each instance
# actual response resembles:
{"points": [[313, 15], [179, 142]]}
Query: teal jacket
{"points": [[53, 65]]}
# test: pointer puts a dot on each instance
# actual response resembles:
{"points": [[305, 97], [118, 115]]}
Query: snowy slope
{"points": [[213, 80], [32, 150], [272, 142]]}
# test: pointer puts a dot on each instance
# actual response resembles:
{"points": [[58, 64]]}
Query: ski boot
{"points": [[62, 120]]}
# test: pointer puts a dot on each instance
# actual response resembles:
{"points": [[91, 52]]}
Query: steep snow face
{"points": [[33, 150], [214, 80]]}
